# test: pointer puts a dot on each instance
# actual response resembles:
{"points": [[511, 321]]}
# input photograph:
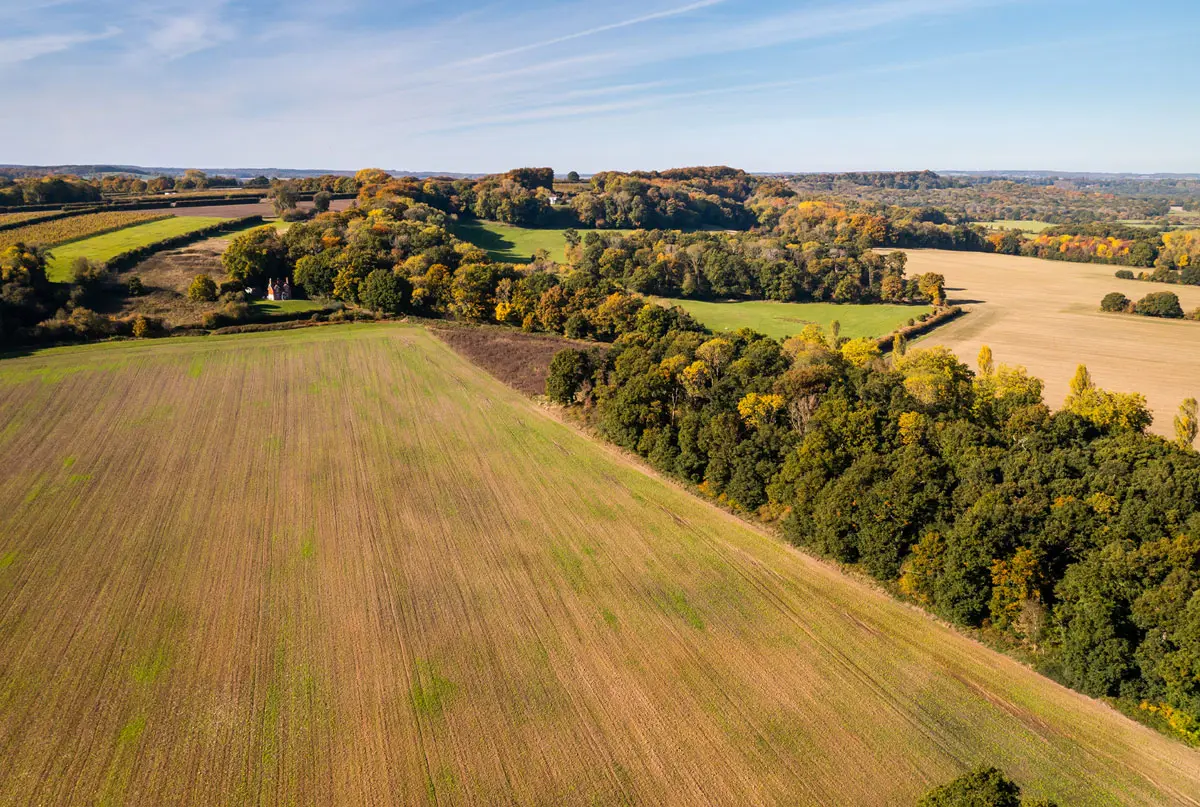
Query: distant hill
{"points": [[88, 171]]}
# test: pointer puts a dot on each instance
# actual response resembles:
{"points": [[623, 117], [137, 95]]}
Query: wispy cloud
{"points": [[593, 31], [22, 49]]}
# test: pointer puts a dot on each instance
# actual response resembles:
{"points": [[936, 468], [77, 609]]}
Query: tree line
{"points": [[1071, 533]]}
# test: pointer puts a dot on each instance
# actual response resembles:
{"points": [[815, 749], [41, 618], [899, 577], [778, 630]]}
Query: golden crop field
{"points": [[1046, 315], [343, 566], [61, 231]]}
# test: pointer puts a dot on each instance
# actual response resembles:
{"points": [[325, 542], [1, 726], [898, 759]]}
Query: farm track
{"points": [[344, 566]]}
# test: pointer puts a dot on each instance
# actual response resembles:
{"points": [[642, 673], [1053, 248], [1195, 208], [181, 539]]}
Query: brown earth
{"points": [[1046, 315], [521, 360], [344, 566]]}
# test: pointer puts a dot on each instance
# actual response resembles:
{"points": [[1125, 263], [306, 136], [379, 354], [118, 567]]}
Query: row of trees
{"points": [[1072, 533], [725, 265]]}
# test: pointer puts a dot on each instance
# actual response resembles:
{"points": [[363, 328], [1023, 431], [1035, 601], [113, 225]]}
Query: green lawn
{"points": [[1014, 224], [108, 246], [505, 242], [780, 320], [274, 307]]}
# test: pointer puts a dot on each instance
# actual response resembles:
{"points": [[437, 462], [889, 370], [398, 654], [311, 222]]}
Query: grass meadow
{"points": [[101, 248], [781, 320], [504, 242], [1031, 227], [342, 565]]}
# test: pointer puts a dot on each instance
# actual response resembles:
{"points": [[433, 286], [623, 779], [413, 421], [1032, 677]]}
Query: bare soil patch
{"points": [[1046, 315], [521, 360]]}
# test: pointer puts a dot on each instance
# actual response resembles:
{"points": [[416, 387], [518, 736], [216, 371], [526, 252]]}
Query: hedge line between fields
{"points": [[136, 255], [54, 216], [921, 328]]}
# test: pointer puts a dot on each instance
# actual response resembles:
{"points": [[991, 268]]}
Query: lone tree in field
{"points": [[321, 201], [572, 176], [568, 370], [1160, 304], [202, 290], [283, 197], [1186, 423], [982, 787], [1115, 301]]}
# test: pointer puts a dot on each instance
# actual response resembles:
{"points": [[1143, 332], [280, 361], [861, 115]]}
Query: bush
{"points": [[1115, 301], [1125, 274], [1160, 304], [141, 328], [136, 287], [982, 787], [202, 290], [87, 273], [577, 326], [295, 214], [1193, 315]]}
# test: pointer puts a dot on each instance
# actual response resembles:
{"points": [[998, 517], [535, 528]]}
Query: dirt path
{"points": [[1046, 315]]}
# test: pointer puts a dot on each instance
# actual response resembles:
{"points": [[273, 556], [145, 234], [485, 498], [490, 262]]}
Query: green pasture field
{"points": [[1033, 227], [504, 242], [342, 565], [101, 248], [781, 320]]}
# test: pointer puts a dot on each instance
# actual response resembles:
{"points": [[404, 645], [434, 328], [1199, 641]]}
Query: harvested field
{"points": [[1046, 315], [341, 565], [521, 360]]}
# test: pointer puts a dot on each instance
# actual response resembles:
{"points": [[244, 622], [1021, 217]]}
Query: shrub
{"points": [[982, 787], [1160, 304], [576, 327], [141, 328], [136, 287], [1125, 274], [1193, 315], [1115, 301], [87, 273], [202, 290]]}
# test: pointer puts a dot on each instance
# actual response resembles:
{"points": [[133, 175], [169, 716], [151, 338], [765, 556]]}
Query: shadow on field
{"points": [[497, 246]]}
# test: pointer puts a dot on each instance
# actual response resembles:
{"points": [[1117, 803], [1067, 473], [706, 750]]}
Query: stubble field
{"points": [[1046, 315], [343, 566]]}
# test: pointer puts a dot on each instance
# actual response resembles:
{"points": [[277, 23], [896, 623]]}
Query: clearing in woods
{"points": [[105, 247], [343, 565], [504, 242], [1046, 315], [781, 320]]}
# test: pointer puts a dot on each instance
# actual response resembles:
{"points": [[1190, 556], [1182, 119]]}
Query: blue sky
{"points": [[765, 85]]}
